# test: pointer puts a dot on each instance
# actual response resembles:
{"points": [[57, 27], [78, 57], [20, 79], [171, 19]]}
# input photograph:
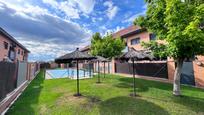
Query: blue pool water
{"points": [[67, 73]]}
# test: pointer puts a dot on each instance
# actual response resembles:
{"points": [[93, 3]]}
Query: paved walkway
{"points": [[145, 77]]}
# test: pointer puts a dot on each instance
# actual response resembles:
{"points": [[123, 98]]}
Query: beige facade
{"points": [[143, 37]]}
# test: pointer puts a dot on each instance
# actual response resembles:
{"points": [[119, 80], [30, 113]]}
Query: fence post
{"points": [[16, 76]]}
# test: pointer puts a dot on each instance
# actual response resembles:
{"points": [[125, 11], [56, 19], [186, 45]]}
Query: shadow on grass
{"points": [[129, 106], [142, 85], [29, 98], [192, 102]]}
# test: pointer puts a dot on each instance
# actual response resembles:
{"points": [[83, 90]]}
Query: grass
{"points": [[111, 97]]}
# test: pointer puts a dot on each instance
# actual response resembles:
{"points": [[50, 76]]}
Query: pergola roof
{"points": [[75, 55], [137, 55], [101, 59]]}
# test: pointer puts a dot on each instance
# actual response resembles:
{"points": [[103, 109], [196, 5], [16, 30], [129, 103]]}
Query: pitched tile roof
{"points": [[128, 31], [88, 47], [8, 36]]}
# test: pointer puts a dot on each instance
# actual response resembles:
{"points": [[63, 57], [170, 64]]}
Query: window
{"points": [[5, 45], [152, 36], [19, 51], [135, 41]]}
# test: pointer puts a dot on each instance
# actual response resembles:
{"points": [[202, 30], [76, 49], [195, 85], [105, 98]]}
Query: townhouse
{"points": [[192, 71], [11, 49]]}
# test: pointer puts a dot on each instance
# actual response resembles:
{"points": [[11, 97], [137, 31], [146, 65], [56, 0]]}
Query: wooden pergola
{"points": [[75, 56], [98, 60], [135, 55]]}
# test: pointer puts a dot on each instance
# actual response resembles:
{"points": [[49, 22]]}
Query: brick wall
{"points": [[171, 69], [144, 37], [198, 67], [4, 52]]}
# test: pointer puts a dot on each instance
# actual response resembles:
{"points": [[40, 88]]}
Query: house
{"points": [[134, 36], [86, 49], [192, 72], [11, 49]]}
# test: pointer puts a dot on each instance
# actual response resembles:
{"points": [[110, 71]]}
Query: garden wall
{"points": [[151, 69], [198, 71], [7, 78], [14, 77]]}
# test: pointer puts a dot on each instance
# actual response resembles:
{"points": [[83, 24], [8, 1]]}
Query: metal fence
{"points": [[88, 66], [144, 69], [22, 73], [108, 67]]}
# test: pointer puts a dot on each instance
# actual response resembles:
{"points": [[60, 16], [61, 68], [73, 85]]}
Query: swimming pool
{"points": [[67, 73]]}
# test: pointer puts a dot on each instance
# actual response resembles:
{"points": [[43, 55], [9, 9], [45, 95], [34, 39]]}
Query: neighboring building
{"points": [[192, 72], [86, 49], [10, 48], [133, 36]]}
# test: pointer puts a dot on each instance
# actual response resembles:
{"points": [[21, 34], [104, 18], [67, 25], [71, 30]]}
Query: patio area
{"points": [[111, 97]]}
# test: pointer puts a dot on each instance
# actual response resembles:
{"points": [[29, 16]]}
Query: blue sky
{"points": [[51, 28]]}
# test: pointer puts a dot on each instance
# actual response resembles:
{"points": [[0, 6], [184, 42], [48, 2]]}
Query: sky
{"points": [[52, 28]]}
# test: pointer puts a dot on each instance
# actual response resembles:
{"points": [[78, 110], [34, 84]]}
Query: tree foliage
{"points": [[178, 23], [159, 50], [107, 46]]}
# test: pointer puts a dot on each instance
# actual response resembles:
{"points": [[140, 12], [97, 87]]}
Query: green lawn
{"points": [[111, 97]]}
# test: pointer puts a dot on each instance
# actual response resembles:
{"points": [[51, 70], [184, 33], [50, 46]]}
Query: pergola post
{"points": [[134, 91], [44, 71], [78, 94], [98, 74], [135, 55], [84, 72], [89, 69], [75, 56], [108, 67], [68, 70], [104, 69]]}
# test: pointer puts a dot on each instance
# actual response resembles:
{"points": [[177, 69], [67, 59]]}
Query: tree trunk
{"points": [[177, 77]]}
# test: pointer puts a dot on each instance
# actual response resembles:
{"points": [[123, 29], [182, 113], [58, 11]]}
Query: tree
{"points": [[179, 23], [159, 50], [95, 43], [107, 46]]}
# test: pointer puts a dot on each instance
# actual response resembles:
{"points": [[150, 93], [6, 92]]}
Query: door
{"points": [[187, 74]]}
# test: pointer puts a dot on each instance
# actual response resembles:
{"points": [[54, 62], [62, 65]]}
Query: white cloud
{"points": [[47, 36], [53, 3], [100, 19], [106, 31], [112, 10], [94, 19], [66, 7], [133, 17], [114, 30], [73, 8], [86, 6], [45, 50]]}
